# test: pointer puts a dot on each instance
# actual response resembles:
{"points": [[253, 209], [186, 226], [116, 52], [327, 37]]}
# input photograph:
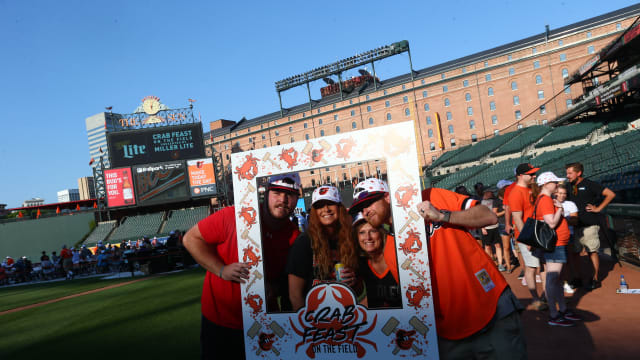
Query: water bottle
{"points": [[623, 284]]}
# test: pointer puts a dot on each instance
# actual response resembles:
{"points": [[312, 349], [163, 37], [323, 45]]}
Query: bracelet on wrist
{"points": [[220, 274]]}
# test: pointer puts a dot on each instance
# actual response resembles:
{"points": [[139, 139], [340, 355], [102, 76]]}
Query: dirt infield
{"points": [[70, 296]]}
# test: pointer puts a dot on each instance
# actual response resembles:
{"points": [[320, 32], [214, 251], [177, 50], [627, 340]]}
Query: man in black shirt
{"points": [[587, 194]]}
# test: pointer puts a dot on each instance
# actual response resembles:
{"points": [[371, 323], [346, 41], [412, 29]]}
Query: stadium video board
{"points": [[161, 183], [118, 183], [202, 180], [153, 145]]}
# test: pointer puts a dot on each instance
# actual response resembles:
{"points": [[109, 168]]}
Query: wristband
{"points": [[447, 215], [220, 274]]}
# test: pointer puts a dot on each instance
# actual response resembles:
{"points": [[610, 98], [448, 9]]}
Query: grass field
{"points": [[157, 318]]}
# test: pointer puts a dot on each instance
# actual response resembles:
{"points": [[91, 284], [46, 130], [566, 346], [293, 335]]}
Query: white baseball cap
{"points": [[369, 189], [326, 192], [547, 177], [503, 183], [290, 182]]}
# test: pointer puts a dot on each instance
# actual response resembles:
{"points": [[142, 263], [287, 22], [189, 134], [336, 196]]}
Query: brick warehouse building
{"points": [[495, 91]]}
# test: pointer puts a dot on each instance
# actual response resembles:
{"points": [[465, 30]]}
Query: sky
{"points": [[62, 61]]}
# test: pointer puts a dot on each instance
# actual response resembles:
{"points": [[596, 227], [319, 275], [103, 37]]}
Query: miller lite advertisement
{"points": [[161, 183], [119, 186], [201, 177], [135, 147]]}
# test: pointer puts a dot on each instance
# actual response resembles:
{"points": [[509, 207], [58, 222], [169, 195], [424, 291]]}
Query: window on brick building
{"points": [[445, 89], [450, 128], [388, 116], [407, 112], [447, 102], [540, 94], [465, 83], [536, 64], [467, 97], [387, 104], [494, 119], [354, 125], [492, 105], [490, 91], [424, 94], [538, 79], [591, 49], [516, 100], [518, 115], [430, 133], [474, 138], [565, 73], [426, 107], [337, 129], [472, 124], [512, 71], [469, 110], [514, 85], [449, 115], [370, 121], [428, 120], [563, 57], [487, 77]]}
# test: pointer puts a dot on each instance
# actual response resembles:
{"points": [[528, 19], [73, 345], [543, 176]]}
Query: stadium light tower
{"points": [[340, 66]]}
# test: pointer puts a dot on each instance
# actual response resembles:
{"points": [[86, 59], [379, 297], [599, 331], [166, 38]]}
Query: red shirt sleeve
{"points": [[215, 227]]}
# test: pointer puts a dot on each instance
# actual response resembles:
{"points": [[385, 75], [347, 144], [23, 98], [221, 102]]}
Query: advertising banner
{"points": [[135, 147], [201, 177], [161, 183], [119, 187]]}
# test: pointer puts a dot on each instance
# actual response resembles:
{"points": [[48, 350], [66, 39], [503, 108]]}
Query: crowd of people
{"points": [[356, 246], [82, 261]]}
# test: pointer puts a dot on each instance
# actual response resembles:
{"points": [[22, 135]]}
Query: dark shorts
{"points": [[219, 342], [501, 228], [492, 237], [559, 255]]}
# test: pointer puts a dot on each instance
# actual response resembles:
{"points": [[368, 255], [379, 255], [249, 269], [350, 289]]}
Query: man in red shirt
{"points": [[213, 244], [67, 261], [521, 205], [476, 312]]}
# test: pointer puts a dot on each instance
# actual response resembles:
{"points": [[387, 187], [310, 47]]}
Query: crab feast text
{"points": [[331, 325]]}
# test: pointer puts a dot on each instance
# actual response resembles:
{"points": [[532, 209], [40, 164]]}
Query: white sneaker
{"points": [[568, 289]]}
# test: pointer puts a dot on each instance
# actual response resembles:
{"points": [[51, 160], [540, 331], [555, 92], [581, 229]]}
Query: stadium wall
{"points": [[30, 237]]}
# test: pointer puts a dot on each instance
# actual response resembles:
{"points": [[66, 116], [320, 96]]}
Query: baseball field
{"points": [[152, 317]]}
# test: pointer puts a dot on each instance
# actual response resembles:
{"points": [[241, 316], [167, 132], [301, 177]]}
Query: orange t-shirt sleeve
{"points": [[447, 200], [516, 201], [545, 207]]}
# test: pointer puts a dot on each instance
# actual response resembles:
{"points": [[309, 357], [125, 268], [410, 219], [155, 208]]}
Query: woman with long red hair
{"points": [[327, 242]]}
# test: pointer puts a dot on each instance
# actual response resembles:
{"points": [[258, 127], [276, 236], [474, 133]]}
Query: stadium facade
{"points": [[87, 188], [477, 97]]}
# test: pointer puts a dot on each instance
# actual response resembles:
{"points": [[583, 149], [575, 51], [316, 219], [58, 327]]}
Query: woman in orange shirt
{"points": [[550, 210]]}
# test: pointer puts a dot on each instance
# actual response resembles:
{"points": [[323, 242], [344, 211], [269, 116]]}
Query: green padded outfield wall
{"points": [[30, 237]]}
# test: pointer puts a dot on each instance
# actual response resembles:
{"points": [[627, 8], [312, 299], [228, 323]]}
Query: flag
{"points": [[95, 205], [58, 210], [91, 161], [20, 214], [38, 214], [101, 150], [78, 207]]}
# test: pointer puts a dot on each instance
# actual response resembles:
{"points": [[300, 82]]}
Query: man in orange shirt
{"points": [[476, 312], [521, 205]]}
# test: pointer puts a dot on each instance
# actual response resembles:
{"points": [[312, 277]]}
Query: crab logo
{"points": [[332, 321], [415, 294], [255, 303], [343, 148], [404, 194], [290, 156], [248, 214], [250, 257], [412, 244], [265, 341], [404, 339], [249, 169]]}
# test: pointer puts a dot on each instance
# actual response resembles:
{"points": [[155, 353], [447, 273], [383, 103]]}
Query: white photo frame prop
{"points": [[332, 325]]}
